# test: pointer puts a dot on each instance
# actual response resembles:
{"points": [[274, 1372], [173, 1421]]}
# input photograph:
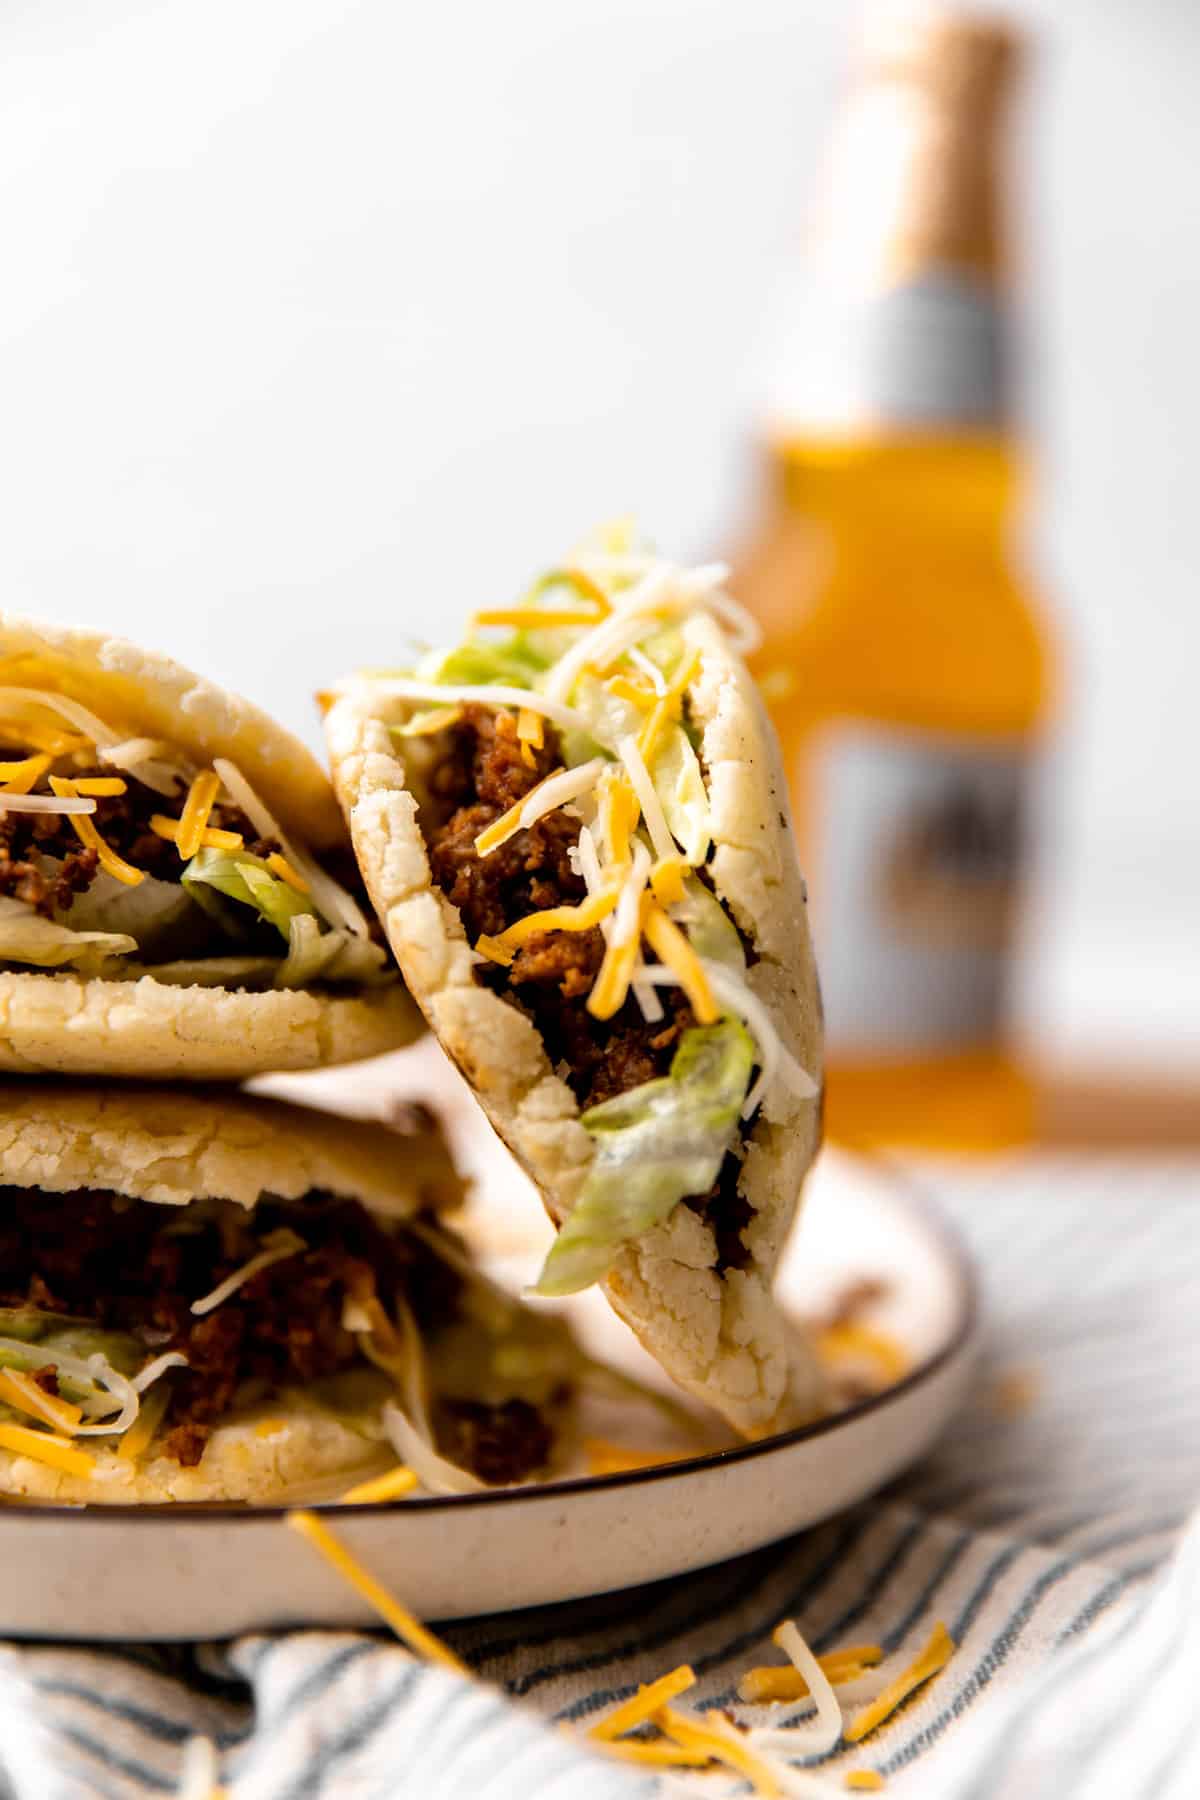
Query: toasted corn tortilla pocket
{"points": [[139, 933], [211, 1297], [716, 1330]]}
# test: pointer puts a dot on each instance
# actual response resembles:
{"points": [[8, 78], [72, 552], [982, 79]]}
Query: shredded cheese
{"points": [[407, 1628], [933, 1658], [392, 1486], [666, 880], [658, 1753], [279, 865], [651, 805], [621, 953], [22, 1391], [47, 803], [837, 1343], [400, 687], [633, 691], [818, 1737], [193, 821], [557, 789], [649, 668], [531, 733], [286, 1243], [775, 1060], [583, 917], [768, 1683], [115, 865], [136, 1440], [864, 1781], [101, 787], [213, 839], [19, 777], [605, 1458], [95, 731], [40, 1446], [725, 1746], [532, 618], [644, 1704], [669, 943], [339, 907]]}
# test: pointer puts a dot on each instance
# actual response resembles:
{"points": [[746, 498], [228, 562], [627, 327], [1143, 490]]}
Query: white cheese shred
{"points": [[329, 896], [286, 1243], [648, 800]]}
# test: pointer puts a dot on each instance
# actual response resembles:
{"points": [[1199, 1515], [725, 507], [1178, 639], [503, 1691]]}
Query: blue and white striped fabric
{"points": [[1052, 1542]]}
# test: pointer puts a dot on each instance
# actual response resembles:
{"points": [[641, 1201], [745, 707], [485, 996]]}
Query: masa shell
{"points": [[74, 1025], [720, 1335]]}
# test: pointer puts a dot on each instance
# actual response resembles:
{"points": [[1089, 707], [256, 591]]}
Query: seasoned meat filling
{"points": [[552, 975], [123, 820], [124, 1266]]}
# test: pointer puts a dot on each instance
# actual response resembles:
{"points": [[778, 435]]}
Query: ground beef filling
{"points": [[552, 975], [123, 821], [117, 1264]]}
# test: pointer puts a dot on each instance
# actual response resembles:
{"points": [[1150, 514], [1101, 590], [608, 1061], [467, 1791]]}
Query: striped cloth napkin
{"points": [[1049, 1533]]}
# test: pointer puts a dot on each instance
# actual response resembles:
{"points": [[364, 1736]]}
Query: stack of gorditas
{"points": [[565, 846]]}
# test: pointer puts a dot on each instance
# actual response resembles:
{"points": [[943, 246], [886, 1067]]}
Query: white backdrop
{"points": [[320, 323]]}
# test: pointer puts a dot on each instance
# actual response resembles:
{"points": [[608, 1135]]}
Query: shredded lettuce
{"points": [[27, 938], [247, 879], [654, 1145], [333, 955], [160, 915], [711, 932], [515, 663], [679, 784]]}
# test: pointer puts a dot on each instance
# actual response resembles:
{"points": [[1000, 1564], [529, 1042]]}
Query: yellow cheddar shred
{"points": [[279, 865], [213, 839], [509, 823], [406, 1626], [607, 1458], [634, 691], [589, 912], [100, 787], [697, 1734], [533, 618], [22, 1391], [657, 1753], [392, 1486], [616, 972], [785, 1682], [150, 1417], [40, 1446], [87, 834], [934, 1657], [620, 810], [531, 731], [864, 1781], [19, 777], [670, 945], [193, 820], [644, 1704], [666, 880], [837, 1343]]}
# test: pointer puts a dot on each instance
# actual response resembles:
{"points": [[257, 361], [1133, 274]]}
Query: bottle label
{"points": [[929, 353], [918, 843]]}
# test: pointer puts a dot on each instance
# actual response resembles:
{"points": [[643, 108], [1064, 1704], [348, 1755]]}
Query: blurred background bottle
{"points": [[903, 659]]}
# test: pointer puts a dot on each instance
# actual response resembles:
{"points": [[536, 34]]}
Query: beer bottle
{"points": [[903, 658]]}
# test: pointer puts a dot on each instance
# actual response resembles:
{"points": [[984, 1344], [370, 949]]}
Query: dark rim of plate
{"points": [[901, 1191]]}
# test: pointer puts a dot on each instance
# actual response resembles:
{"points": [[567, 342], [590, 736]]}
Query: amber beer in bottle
{"points": [[902, 656]]}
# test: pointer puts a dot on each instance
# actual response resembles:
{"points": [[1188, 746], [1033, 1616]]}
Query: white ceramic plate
{"points": [[122, 1572]]}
